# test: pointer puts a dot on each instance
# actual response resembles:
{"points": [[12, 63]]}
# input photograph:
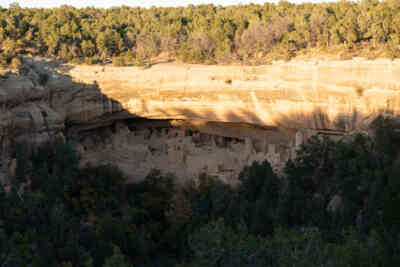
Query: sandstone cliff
{"points": [[213, 119], [335, 95]]}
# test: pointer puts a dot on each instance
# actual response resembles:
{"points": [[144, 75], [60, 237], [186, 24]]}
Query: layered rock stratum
{"points": [[189, 119]]}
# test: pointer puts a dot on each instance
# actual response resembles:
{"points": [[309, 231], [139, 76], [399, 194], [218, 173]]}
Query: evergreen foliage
{"points": [[200, 34], [57, 214]]}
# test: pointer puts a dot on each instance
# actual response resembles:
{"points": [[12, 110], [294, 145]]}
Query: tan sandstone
{"points": [[213, 119]]}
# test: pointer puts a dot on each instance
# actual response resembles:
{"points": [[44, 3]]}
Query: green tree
{"points": [[117, 259]]}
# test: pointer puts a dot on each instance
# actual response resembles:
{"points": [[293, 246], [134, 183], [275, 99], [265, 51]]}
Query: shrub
{"points": [[16, 63], [260, 189], [128, 58], [218, 245], [89, 60], [4, 75], [76, 60], [228, 81], [118, 61], [3, 60], [117, 260], [139, 62], [209, 199]]}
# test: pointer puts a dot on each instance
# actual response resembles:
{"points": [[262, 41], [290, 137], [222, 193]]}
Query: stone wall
{"points": [[139, 146]]}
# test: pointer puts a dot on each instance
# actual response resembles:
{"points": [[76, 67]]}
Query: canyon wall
{"points": [[334, 95], [189, 119]]}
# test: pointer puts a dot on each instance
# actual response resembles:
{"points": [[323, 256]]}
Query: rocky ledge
{"points": [[189, 119]]}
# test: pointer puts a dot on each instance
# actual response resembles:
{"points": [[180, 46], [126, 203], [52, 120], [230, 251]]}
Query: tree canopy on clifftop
{"points": [[201, 34]]}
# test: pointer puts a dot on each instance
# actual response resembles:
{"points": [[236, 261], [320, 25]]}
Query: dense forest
{"points": [[201, 34], [336, 205]]}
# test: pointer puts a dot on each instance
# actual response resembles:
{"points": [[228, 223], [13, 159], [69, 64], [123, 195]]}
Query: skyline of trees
{"points": [[199, 34]]}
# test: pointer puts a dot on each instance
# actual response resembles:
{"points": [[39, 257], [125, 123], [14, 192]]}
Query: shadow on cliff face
{"points": [[317, 118], [86, 107], [66, 107], [42, 101]]}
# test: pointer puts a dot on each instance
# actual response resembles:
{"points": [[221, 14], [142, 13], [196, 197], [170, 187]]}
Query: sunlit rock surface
{"points": [[213, 119], [334, 95]]}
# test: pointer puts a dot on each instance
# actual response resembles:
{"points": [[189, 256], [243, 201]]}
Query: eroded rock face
{"points": [[330, 95], [213, 119], [37, 113]]}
